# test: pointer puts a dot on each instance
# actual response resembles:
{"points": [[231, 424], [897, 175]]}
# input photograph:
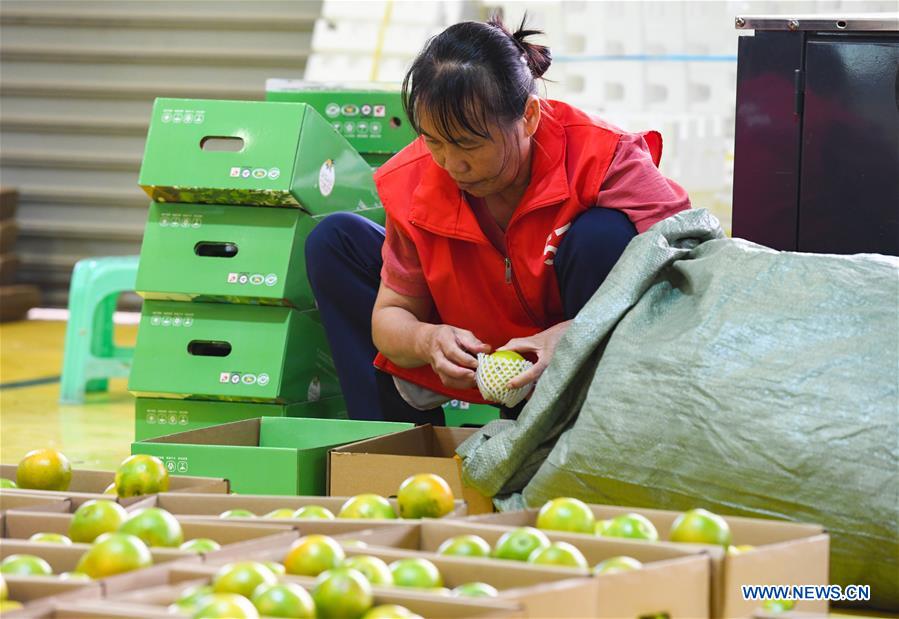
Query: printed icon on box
{"points": [[232, 278], [271, 279], [188, 116], [366, 110], [243, 279], [260, 173], [177, 116], [350, 110], [362, 127], [376, 127], [188, 321], [196, 223], [332, 110], [464, 405], [314, 391], [349, 127], [173, 419], [235, 379], [151, 418], [262, 380], [163, 420], [156, 321], [176, 321], [257, 278], [248, 379], [182, 420], [235, 172], [164, 222], [380, 111], [166, 116], [170, 465], [245, 173], [166, 321], [225, 377], [337, 126], [182, 466], [274, 173], [326, 178], [199, 117]]}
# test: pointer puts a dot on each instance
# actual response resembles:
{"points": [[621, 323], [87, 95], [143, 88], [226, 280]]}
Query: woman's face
{"points": [[483, 166]]}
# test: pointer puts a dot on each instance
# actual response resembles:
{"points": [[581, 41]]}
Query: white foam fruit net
{"points": [[494, 372]]}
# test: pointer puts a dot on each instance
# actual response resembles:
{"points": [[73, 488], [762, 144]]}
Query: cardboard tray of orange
{"points": [[673, 582], [37, 595], [233, 537], [88, 484], [155, 589], [190, 506], [381, 464], [785, 553]]}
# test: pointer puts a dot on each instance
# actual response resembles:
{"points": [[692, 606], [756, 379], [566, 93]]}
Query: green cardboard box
{"points": [[234, 254], [241, 353], [160, 416], [254, 153], [460, 414], [270, 455], [369, 116]]}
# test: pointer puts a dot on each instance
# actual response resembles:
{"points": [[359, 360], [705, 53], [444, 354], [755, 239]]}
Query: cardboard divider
{"points": [[11, 500], [89, 485], [786, 553], [234, 538], [382, 463], [210, 506], [39, 593], [674, 581], [92, 610], [297, 448], [149, 591], [65, 558]]}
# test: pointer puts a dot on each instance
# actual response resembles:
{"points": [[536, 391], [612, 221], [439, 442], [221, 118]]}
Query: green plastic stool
{"points": [[91, 356]]}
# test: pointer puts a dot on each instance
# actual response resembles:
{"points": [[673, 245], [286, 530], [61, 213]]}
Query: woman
{"points": [[503, 218]]}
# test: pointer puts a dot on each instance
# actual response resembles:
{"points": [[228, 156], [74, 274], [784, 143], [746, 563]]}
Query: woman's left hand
{"points": [[542, 344]]}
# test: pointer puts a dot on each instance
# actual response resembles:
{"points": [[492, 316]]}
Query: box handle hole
{"points": [[215, 250], [220, 143], [206, 348]]}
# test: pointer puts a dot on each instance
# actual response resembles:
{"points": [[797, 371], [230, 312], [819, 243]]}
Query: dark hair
{"points": [[473, 74]]}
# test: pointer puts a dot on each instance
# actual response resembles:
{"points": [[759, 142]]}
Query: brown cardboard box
{"points": [[39, 593], [235, 539], [673, 582], [149, 591], [786, 553], [9, 266], [381, 464], [9, 200], [88, 484], [33, 503], [188, 506], [64, 558], [16, 300], [89, 610], [9, 232]]}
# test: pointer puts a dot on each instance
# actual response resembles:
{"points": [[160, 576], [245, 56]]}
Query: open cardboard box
{"points": [[206, 507], [156, 589], [88, 484], [382, 463], [39, 593], [674, 582], [235, 539], [88, 609], [268, 455], [786, 553], [33, 503]]}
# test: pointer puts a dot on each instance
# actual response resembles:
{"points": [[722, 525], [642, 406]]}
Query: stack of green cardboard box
{"points": [[229, 329]]}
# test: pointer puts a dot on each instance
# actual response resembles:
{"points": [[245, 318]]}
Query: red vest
{"points": [[472, 284]]}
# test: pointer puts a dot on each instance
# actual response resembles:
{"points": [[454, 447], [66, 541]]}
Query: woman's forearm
{"points": [[401, 337]]}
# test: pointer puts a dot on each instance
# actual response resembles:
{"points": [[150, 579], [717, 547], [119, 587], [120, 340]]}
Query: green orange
{"points": [[313, 554], [367, 507], [50, 538], [374, 569], [558, 553], [281, 512], [465, 546], [44, 469], [7, 483], [237, 513], [25, 565], [283, 600], [390, 611], [614, 565], [310, 512], [416, 573], [226, 605], [200, 545], [518, 544], [425, 496], [155, 526], [242, 577], [632, 526], [94, 518], [566, 514], [114, 553], [342, 593], [141, 474], [191, 599], [700, 526], [475, 590]]}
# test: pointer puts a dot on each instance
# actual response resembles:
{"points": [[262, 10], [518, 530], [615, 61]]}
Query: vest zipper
{"points": [[510, 279]]}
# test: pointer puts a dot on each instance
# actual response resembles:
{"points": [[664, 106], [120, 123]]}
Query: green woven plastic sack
{"points": [[716, 372]]}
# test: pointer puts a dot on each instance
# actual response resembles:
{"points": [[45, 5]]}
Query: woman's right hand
{"points": [[452, 353]]}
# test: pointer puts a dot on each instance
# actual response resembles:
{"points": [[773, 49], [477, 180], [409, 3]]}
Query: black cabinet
{"points": [[816, 162]]}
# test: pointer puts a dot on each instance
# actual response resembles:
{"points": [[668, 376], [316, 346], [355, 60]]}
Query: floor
{"points": [[95, 435]]}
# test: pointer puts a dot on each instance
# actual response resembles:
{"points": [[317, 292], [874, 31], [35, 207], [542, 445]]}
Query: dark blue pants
{"points": [[343, 262]]}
